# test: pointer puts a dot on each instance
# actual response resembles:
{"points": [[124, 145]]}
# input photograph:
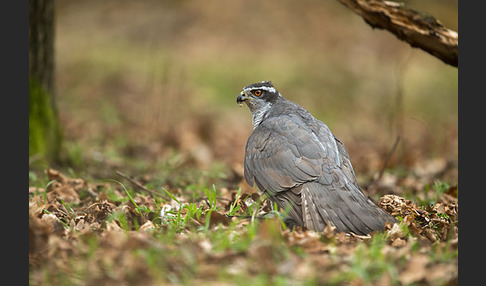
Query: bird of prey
{"points": [[302, 167]]}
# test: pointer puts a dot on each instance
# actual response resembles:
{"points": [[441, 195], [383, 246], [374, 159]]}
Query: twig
{"points": [[139, 185], [246, 217], [206, 198], [385, 163]]}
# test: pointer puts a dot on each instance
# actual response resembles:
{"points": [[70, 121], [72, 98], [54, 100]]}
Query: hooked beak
{"points": [[242, 97]]}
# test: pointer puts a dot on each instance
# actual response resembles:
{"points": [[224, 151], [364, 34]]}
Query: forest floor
{"points": [[130, 230]]}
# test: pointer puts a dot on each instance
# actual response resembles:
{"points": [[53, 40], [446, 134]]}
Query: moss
{"points": [[44, 129]]}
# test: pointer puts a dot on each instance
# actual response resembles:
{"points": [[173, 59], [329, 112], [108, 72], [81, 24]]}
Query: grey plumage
{"points": [[303, 167]]}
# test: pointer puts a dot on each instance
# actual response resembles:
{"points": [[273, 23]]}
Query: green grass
{"points": [[433, 194], [369, 263]]}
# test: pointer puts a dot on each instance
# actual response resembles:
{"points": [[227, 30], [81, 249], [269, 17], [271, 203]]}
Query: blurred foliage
{"points": [[156, 76]]}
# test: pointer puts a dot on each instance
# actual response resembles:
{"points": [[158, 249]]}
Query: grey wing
{"points": [[346, 163], [283, 153], [281, 156]]}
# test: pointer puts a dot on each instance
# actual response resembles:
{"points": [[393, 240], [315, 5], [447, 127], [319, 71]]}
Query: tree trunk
{"points": [[44, 129]]}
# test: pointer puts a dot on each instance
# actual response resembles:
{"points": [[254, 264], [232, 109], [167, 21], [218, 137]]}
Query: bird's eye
{"points": [[258, 92]]}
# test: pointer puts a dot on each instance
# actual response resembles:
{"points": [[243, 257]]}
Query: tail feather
{"points": [[347, 210]]}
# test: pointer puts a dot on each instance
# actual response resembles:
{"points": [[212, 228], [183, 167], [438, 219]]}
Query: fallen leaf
{"points": [[148, 226], [415, 271]]}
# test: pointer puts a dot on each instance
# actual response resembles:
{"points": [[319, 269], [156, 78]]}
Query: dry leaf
{"points": [[416, 270]]}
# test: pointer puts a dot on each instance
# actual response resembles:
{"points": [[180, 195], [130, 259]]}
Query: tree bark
{"points": [[418, 29], [44, 127], [41, 43]]}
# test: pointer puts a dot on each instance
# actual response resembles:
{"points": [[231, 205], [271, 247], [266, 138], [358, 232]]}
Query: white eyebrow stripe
{"points": [[265, 88]]}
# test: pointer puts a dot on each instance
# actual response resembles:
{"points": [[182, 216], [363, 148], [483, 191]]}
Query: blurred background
{"points": [[151, 86]]}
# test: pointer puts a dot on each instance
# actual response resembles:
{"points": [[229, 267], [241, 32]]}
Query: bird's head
{"points": [[258, 95]]}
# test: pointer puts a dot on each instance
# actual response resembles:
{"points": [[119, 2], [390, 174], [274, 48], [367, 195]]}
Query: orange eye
{"points": [[258, 92]]}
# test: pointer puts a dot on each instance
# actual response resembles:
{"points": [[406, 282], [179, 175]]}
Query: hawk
{"points": [[300, 165]]}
